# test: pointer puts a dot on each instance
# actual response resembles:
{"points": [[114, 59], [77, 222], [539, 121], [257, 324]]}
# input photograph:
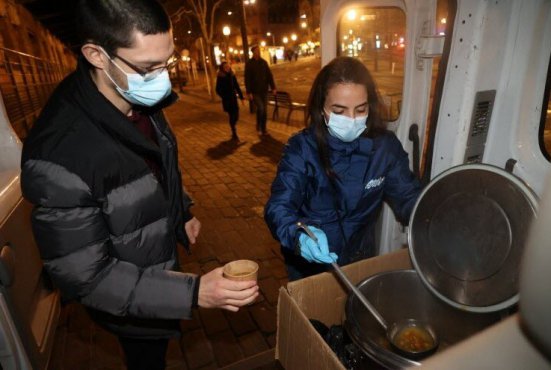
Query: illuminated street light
{"points": [[226, 31], [443, 20], [303, 16], [263, 43], [285, 40], [351, 14], [294, 37], [230, 12], [304, 25], [273, 37]]}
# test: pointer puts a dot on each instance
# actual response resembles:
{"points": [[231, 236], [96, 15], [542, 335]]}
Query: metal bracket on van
{"points": [[427, 47]]}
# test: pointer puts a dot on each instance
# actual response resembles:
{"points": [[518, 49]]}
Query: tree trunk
{"points": [[212, 72]]}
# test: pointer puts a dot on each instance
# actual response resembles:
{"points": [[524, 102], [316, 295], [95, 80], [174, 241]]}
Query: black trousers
{"points": [[233, 116], [144, 354], [261, 104]]}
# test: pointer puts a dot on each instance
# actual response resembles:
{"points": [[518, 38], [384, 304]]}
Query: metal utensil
{"points": [[348, 283], [397, 328]]}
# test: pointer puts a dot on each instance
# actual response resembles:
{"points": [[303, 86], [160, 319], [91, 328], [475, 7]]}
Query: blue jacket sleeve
{"points": [[282, 210], [402, 188]]}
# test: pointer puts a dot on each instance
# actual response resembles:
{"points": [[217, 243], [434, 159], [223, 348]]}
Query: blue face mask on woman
{"points": [[142, 91], [345, 128]]}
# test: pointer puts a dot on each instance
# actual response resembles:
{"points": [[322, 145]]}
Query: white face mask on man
{"points": [[142, 90], [345, 128]]}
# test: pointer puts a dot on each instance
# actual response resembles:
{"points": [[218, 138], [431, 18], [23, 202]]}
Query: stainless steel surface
{"points": [[400, 295], [467, 233], [307, 231], [397, 327], [360, 296], [347, 282]]}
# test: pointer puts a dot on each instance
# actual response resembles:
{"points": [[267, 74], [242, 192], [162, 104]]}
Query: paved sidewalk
{"points": [[230, 183]]}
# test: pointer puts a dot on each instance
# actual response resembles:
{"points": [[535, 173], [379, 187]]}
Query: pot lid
{"points": [[466, 236]]}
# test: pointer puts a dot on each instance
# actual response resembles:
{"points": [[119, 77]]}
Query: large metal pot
{"points": [[400, 295]]}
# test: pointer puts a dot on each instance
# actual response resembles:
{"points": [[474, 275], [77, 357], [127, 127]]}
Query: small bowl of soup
{"points": [[413, 339]]}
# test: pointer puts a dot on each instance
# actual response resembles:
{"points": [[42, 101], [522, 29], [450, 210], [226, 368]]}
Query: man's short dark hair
{"points": [[111, 23], [253, 48]]}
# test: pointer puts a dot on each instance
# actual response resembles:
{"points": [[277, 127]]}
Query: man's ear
{"points": [[94, 55]]}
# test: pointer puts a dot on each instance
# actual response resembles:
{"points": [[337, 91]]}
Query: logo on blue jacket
{"points": [[373, 183]]}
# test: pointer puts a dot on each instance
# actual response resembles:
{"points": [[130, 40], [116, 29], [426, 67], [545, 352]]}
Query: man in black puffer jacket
{"points": [[101, 167]]}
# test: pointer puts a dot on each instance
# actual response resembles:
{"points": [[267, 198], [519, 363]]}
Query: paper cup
{"points": [[241, 270]]}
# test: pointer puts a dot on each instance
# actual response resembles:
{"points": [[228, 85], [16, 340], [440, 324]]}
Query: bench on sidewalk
{"points": [[283, 99]]}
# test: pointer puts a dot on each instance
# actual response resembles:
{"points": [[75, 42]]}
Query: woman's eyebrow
{"points": [[346, 107]]}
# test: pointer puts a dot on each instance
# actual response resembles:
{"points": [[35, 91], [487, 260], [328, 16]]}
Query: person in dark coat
{"points": [[228, 89], [336, 173], [100, 166], [258, 80]]}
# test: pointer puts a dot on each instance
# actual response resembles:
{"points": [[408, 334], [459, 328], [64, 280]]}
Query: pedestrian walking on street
{"points": [[100, 166], [335, 174], [228, 89], [258, 80]]}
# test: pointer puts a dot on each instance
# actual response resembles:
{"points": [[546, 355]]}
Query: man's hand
{"points": [[215, 291], [192, 228]]}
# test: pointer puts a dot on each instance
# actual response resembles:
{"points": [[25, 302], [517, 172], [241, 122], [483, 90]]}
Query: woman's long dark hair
{"points": [[341, 70]]}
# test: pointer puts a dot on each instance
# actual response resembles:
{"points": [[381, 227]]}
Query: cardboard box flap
{"points": [[299, 345], [323, 296]]}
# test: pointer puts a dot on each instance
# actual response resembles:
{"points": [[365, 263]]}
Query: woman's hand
{"points": [[316, 250]]}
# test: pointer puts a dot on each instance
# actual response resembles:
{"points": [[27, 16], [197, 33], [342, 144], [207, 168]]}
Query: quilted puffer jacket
{"points": [[369, 172], [106, 226]]}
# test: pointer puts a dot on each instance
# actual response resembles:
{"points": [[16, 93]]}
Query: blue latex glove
{"points": [[315, 251]]}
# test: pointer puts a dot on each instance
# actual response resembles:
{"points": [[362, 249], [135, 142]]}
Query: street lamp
{"points": [[227, 32], [273, 37], [294, 37], [285, 39]]}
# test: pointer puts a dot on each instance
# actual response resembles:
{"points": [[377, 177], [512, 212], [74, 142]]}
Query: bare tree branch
{"points": [[177, 15], [212, 13]]}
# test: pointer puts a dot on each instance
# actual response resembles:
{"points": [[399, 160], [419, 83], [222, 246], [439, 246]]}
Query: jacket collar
{"points": [[361, 146]]}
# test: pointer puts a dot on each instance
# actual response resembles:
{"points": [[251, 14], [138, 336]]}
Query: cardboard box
{"points": [[321, 297]]}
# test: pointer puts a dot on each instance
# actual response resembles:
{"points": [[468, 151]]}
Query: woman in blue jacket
{"points": [[336, 173]]}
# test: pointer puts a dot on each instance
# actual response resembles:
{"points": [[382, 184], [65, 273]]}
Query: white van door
{"points": [[29, 305], [494, 99]]}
